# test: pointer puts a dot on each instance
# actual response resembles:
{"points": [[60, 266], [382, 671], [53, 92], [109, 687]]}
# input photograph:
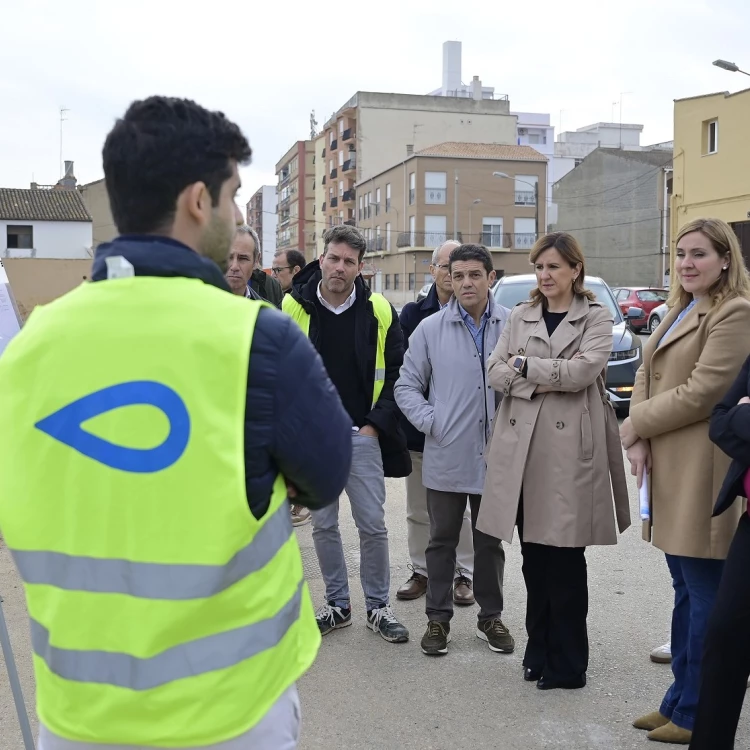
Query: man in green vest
{"points": [[162, 575], [361, 343]]}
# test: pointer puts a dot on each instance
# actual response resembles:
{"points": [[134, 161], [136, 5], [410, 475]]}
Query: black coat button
{"points": [[560, 425], [512, 422], [520, 350]]}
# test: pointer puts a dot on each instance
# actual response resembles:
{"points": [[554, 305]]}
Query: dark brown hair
{"points": [[568, 247]]}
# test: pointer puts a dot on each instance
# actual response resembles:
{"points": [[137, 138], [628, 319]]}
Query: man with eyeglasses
{"points": [[286, 264], [417, 518]]}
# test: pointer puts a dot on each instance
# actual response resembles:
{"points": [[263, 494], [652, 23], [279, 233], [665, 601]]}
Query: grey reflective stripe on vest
{"points": [[155, 580], [380, 374], [207, 654]]}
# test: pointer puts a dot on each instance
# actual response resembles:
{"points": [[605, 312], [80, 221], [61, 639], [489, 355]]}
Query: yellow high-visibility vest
{"points": [[162, 612]]}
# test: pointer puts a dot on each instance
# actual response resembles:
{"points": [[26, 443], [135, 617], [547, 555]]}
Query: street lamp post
{"points": [[536, 198], [473, 203], [730, 66]]}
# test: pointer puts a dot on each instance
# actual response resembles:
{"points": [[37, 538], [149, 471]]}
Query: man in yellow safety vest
{"points": [[153, 423]]}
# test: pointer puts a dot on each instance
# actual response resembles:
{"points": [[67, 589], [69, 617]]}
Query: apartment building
{"points": [[295, 194], [262, 217], [482, 193], [372, 131], [712, 162], [320, 192]]}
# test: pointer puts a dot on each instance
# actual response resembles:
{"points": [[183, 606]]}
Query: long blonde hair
{"points": [[567, 245], [734, 282]]}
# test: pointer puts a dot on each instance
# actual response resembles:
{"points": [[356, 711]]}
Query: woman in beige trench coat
{"points": [[688, 365], [555, 457]]}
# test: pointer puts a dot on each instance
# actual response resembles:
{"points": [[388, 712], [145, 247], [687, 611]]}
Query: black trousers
{"points": [[446, 511], [726, 656], [557, 604]]}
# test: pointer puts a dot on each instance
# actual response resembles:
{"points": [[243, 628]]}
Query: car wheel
{"points": [[653, 324]]}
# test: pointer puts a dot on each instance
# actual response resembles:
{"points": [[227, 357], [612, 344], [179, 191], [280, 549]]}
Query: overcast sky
{"points": [[268, 64]]}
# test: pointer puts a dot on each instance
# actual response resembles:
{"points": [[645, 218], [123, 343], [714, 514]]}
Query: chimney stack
{"points": [[68, 182], [409, 149], [476, 89]]}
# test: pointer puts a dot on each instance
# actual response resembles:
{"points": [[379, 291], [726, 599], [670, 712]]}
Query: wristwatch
{"points": [[518, 363]]}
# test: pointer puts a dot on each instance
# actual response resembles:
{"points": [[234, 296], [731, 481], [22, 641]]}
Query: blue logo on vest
{"points": [[65, 425]]}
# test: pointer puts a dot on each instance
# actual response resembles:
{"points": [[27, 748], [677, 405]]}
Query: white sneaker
{"points": [[662, 654]]}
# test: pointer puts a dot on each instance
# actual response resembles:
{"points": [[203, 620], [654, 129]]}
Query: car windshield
{"points": [[510, 293]]}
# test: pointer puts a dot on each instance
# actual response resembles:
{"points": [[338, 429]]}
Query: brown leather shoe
{"points": [[415, 587], [671, 734], [651, 721], [463, 595]]}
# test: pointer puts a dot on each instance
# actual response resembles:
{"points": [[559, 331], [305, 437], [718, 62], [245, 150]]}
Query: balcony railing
{"points": [[324, 151], [349, 196], [349, 135], [506, 240], [425, 239], [334, 144], [349, 165], [323, 181], [283, 177], [334, 202], [387, 204], [435, 195], [412, 196], [283, 242], [284, 201], [525, 198], [524, 241], [323, 208], [334, 173], [376, 245]]}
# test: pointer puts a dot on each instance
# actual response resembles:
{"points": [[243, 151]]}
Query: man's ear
{"points": [[196, 201]]}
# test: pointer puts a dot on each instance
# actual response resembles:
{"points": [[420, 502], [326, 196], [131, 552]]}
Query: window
{"points": [[332, 138], [388, 236], [435, 228], [396, 281], [651, 295], [330, 166], [377, 201], [361, 207], [387, 281], [526, 189], [412, 281], [388, 197], [378, 240], [524, 234], [533, 138], [412, 230], [435, 187], [341, 188], [492, 232], [412, 188], [341, 217], [20, 237], [710, 137], [341, 127]]}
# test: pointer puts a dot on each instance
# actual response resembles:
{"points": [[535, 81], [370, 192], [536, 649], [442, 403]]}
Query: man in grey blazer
{"points": [[446, 360]]}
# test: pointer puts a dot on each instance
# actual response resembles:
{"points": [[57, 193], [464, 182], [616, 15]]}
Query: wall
{"points": [[270, 220], [388, 122], [52, 239], [97, 201], [612, 203], [713, 185], [37, 281]]}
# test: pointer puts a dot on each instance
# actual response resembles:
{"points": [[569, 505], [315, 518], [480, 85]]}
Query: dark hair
{"points": [[567, 245], [159, 147], [295, 258], [471, 252], [346, 235]]}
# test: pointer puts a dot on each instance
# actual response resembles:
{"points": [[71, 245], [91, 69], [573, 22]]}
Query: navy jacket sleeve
{"points": [[385, 414], [730, 422], [295, 423], [409, 320]]}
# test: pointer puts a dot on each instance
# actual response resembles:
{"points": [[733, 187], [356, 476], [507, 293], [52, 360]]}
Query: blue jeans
{"points": [[366, 491], [696, 583]]}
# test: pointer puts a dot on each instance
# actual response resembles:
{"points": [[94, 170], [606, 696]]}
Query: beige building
{"points": [[712, 162], [296, 199], [450, 191], [372, 131], [95, 197]]}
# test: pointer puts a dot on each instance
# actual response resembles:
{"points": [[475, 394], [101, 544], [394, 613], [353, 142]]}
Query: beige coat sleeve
{"points": [[577, 374], [500, 375], [721, 359], [639, 387]]}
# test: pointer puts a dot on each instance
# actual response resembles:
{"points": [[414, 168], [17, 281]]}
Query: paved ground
{"points": [[366, 693]]}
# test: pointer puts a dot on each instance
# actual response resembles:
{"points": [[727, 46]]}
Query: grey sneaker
{"points": [[662, 654], [436, 638], [331, 618], [498, 637], [384, 622]]}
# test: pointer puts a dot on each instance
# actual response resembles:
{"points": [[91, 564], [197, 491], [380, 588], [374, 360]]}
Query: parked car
{"points": [[647, 298], [625, 358], [657, 315]]}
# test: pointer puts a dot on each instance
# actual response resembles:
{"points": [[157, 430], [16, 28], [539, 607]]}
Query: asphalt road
{"points": [[365, 693]]}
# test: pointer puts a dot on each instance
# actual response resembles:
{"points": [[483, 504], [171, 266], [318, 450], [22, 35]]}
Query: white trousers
{"points": [[418, 525], [279, 729]]}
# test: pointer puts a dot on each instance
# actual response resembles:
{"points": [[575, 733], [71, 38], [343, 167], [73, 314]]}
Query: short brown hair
{"points": [[734, 282], [567, 245], [346, 235]]}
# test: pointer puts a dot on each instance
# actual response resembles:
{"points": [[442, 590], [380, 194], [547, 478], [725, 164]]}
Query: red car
{"points": [[646, 298]]}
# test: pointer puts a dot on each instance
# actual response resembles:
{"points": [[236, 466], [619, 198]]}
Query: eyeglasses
{"points": [[442, 266], [278, 269]]}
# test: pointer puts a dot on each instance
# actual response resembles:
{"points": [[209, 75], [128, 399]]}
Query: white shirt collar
{"points": [[343, 307]]}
